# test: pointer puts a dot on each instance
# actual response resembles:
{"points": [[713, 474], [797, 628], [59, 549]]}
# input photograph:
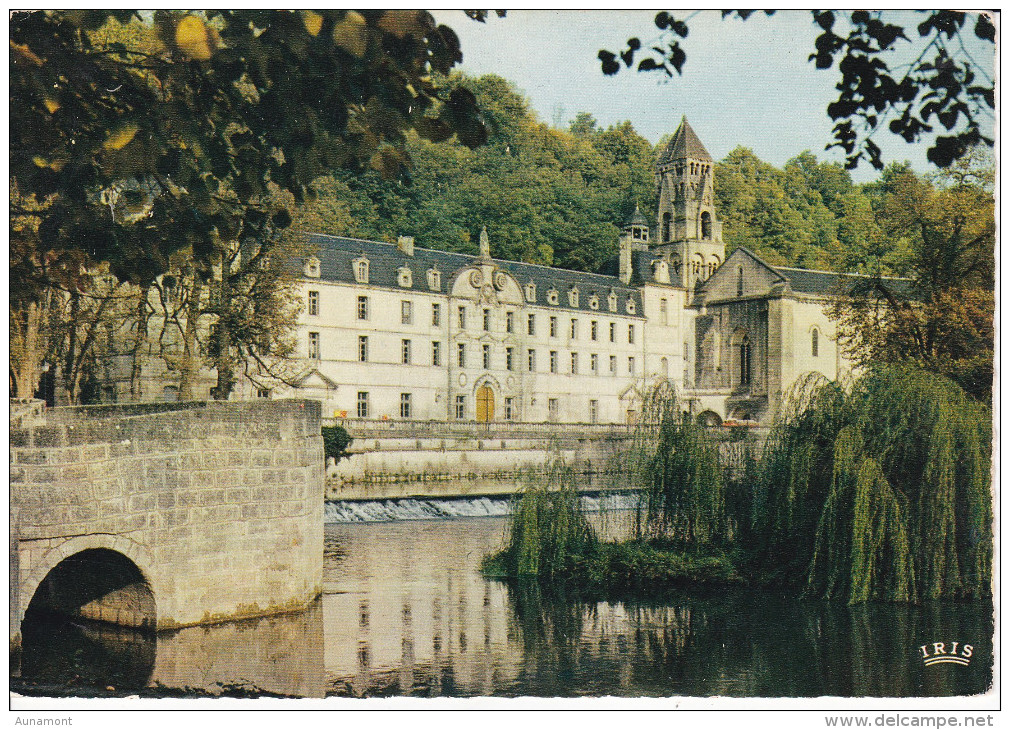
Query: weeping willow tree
{"points": [[676, 464], [547, 532], [881, 492]]}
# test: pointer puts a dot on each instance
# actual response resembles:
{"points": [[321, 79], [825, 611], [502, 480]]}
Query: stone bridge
{"points": [[165, 515]]}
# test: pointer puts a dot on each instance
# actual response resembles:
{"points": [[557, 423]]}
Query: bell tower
{"points": [[689, 235]]}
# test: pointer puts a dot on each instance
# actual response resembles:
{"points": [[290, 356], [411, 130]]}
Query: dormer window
{"points": [[312, 267], [630, 305], [404, 277], [531, 292], [573, 297], [594, 302], [661, 271], [552, 296], [360, 266], [612, 301], [434, 279]]}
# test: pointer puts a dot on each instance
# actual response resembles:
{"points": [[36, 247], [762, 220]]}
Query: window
{"points": [[631, 334], [531, 324], [460, 407], [436, 315], [573, 297], [594, 411], [405, 351], [314, 345], [312, 267], [613, 364], [406, 313], [739, 281], [745, 371], [404, 405], [706, 225], [613, 332], [554, 326], [594, 363], [263, 392], [362, 307], [630, 306], [814, 336], [362, 348], [313, 303], [362, 404], [574, 333], [593, 329], [508, 358], [508, 321], [486, 356], [612, 301], [662, 312], [531, 292], [531, 360], [552, 409], [594, 302], [575, 363], [510, 408], [664, 367], [552, 296], [461, 355], [436, 353], [554, 361], [361, 271], [434, 279], [631, 366], [487, 320], [462, 318], [404, 277]]}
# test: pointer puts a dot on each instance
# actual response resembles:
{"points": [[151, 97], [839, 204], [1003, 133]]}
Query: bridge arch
{"points": [[118, 557]]}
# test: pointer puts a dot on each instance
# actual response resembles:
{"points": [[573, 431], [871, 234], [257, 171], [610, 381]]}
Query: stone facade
{"points": [[219, 506], [403, 332]]}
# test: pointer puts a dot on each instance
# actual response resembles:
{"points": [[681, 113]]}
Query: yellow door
{"points": [[485, 404]]}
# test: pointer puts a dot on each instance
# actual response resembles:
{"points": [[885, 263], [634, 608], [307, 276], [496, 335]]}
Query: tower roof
{"points": [[685, 144], [636, 219]]}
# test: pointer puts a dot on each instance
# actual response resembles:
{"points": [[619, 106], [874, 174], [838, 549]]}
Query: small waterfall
{"points": [[388, 510]]}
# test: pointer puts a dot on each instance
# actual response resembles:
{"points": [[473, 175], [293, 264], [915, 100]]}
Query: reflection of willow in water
{"points": [[694, 645]]}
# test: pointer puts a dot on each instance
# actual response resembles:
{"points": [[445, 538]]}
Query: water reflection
{"points": [[277, 655], [437, 628], [406, 612]]}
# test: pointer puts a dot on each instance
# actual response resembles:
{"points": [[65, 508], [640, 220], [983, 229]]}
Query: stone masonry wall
{"points": [[219, 504]]}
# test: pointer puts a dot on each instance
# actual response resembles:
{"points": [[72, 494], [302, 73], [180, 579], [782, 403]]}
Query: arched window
{"points": [[666, 227], [739, 281], [706, 225], [664, 368], [742, 355], [814, 337]]}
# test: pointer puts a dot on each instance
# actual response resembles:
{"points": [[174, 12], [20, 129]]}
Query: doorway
{"points": [[485, 404]]}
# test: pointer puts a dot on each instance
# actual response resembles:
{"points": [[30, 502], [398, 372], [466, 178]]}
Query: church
{"points": [[400, 331]]}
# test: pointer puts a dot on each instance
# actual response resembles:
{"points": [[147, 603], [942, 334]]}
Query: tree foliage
{"points": [[881, 491], [941, 318], [194, 123], [944, 93]]}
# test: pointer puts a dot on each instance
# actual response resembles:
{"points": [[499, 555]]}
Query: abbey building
{"points": [[399, 331]]}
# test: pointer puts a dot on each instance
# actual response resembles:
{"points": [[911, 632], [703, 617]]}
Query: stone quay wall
{"points": [[397, 459], [219, 505]]}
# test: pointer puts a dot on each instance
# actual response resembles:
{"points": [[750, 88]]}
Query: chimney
{"points": [[624, 257], [406, 244]]}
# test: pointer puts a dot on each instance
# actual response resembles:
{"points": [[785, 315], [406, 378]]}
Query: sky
{"points": [[744, 83]]}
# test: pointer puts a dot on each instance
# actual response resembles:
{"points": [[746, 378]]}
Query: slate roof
{"points": [[685, 144], [336, 254], [637, 219], [826, 283], [822, 283]]}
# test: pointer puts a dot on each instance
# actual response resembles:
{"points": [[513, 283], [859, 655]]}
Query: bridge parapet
{"points": [[219, 503]]}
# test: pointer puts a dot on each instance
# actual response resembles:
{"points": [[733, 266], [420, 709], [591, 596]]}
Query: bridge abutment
{"points": [[218, 506]]}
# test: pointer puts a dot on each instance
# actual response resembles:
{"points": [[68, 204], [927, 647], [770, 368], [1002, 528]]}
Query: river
{"points": [[405, 611]]}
